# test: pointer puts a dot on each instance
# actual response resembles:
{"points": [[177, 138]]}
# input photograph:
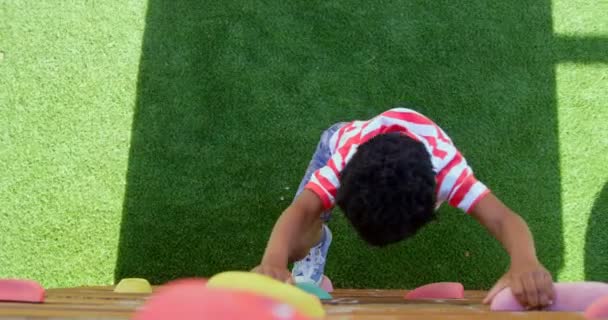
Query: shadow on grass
{"points": [[596, 259], [232, 98]]}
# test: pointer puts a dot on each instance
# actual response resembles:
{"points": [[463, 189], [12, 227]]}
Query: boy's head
{"points": [[387, 189]]}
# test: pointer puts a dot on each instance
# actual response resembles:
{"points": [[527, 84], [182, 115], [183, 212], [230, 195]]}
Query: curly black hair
{"points": [[387, 189]]}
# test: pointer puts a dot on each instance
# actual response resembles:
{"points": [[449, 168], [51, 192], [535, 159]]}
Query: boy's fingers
{"points": [[286, 277], [541, 289], [531, 292], [549, 289], [494, 291], [518, 291], [545, 288], [543, 301]]}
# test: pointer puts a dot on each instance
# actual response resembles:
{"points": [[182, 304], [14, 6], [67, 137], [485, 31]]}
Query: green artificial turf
{"points": [[162, 139]]}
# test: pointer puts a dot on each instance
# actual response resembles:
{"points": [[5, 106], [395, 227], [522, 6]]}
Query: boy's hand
{"points": [[529, 281], [278, 273], [301, 220], [531, 284]]}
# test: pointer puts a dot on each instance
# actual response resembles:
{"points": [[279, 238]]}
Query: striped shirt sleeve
{"points": [[457, 184], [325, 181]]}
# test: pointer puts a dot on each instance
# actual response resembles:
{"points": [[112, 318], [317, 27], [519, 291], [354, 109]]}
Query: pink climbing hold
{"points": [[326, 284], [569, 296], [16, 290], [438, 290], [191, 299], [598, 309]]}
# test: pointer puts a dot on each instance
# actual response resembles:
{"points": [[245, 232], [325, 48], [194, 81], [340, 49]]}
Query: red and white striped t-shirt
{"points": [[456, 182]]}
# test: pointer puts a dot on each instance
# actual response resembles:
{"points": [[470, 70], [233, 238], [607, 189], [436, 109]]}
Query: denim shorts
{"points": [[319, 159]]}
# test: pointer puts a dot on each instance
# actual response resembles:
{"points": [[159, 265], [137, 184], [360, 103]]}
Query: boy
{"points": [[388, 175]]}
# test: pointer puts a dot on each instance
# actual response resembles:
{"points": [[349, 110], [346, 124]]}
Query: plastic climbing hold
{"points": [[598, 309], [569, 296], [18, 290], [438, 290], [326, 284], [192, 300], [133, 285], [314, 289], [307, 304]]}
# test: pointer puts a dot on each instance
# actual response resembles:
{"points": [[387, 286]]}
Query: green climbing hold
{"points": [[314, 290]]}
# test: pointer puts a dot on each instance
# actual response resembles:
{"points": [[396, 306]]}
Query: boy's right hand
{"points": [[278, 273]]}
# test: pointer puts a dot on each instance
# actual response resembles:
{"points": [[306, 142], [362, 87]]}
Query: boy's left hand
{"points": [[531, 284]]}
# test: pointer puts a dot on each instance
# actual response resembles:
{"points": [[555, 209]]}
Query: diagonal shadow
{"points": [[232, 98], [596, 240]]}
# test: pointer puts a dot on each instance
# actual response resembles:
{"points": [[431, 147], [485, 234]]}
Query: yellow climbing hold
{"points": [[133, 285], [304, 302]]}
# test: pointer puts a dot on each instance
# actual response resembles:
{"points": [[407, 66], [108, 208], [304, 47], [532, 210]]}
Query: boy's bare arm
{"points": [[298, 223], [530, 282]]}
